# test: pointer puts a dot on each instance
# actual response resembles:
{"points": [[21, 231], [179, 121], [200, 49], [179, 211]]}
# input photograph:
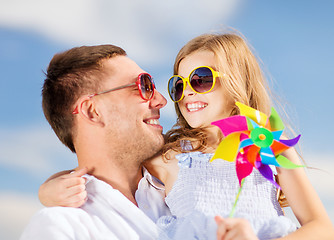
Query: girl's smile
{"points": [[195, 106]]}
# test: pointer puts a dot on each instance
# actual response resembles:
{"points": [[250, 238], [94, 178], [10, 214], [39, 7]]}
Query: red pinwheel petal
{"points": [[243, 136], [277, 147], [267, 173], [252, 153], [232, 124], [243, 167]]}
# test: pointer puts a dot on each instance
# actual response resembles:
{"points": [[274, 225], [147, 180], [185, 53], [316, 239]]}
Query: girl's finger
{"points": [[78, 173], [77, 198], [221, 228], [78, 204], [77, 189], [75, 181]]}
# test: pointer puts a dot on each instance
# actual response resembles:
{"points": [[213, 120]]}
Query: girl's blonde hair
{"points": [[244, 82]]}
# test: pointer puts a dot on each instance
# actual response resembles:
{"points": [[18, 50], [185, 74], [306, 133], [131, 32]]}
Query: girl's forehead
{"points": [[194, 60]]}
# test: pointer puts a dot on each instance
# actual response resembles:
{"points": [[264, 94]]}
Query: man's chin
{"points": [[155, 149]]}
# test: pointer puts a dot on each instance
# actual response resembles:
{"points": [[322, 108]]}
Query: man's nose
{"points": [[158, 101]]}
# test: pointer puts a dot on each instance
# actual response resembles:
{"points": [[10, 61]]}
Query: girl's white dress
{"points": [[204, 190]]}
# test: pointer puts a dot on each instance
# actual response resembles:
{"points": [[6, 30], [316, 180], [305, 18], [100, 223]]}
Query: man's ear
{"points": [[88, 111]]}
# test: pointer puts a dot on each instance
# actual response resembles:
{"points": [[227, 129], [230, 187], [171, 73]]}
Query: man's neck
{"points": [[124, 179]]}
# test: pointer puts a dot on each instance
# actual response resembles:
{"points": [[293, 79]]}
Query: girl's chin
{"points": [[198, 125], [193, 125]]}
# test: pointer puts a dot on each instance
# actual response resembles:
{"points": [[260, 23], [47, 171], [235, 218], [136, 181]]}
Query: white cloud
{"points": [[322, 177], [33, 149], [144, 28], [16, 209]]}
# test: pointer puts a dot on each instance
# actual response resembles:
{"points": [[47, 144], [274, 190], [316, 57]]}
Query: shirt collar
{"points": [[155, 182]]}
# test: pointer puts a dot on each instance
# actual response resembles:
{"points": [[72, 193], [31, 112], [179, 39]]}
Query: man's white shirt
{"points": [[107, 214]]}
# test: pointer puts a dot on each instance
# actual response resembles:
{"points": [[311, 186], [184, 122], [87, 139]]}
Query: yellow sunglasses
{"points": [[201, 80]]}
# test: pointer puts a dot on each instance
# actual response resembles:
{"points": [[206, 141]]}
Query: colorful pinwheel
{"points": [[253, 141]]}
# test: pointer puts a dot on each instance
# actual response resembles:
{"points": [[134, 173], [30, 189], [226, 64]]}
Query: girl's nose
{"points": [[188, 91]]}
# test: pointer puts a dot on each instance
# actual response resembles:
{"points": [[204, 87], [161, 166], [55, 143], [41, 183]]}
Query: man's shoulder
{"points": [[58, 212], [54, 223], [60, 216]]}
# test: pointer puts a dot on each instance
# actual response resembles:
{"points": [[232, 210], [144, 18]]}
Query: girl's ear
{"points": [[88, 111]]}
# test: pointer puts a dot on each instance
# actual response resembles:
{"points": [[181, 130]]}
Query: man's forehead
{"points": [[122, 67], [123, 64]]}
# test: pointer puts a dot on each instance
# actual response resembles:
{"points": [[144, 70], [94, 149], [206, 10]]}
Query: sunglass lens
{"points": [[147, 86], [201, 79], [175, 88]]}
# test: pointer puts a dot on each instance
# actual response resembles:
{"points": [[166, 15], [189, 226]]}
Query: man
{"points": [[104, 108]]}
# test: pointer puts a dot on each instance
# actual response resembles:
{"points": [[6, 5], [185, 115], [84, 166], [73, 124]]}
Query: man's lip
{"points": [[153, 121], [153, 117]]}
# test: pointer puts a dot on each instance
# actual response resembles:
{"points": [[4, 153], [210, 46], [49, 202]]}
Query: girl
{"points": [[211, 73]]}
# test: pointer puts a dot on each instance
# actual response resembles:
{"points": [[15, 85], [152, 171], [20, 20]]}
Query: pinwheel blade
{"points": [[276, 122], [228, 148], [278, 147], [244, 136], [252, 113], [268, 157], [267, 173], [252, 154], [243, 167], [245, 143], [286, 163], [291, 142], [253, 123], [277, 134], [232, 124]]}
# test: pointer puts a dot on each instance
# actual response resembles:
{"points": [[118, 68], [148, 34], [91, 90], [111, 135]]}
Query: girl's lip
{"points": [[195, 106]]}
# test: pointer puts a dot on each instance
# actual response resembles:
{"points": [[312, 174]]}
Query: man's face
{"points": [[132, 124]]}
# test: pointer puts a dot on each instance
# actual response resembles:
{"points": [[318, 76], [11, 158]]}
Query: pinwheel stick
{"points": [[236, 199]]}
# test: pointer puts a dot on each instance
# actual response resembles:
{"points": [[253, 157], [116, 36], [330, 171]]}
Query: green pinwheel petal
{"points": [[249, 124], [286, 163], [276, 122]]}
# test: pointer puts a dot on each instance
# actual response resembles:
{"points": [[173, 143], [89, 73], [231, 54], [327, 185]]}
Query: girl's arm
{"points": [[66, 189], [166, 170], [304, 202]]}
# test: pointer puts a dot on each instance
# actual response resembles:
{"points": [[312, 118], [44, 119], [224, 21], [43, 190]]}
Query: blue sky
{"points": [[294, 39]]}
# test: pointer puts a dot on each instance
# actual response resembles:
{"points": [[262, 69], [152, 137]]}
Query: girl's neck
{"points": [[213, 138]]}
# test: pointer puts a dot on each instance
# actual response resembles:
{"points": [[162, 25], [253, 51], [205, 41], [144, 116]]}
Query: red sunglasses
{"points": [[144, 83]]}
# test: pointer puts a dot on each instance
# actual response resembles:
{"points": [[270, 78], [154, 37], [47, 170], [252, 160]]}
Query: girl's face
{"points": [[199, 110]]}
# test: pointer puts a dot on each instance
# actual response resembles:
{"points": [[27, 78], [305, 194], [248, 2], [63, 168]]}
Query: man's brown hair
{"points": [[70, 75]]}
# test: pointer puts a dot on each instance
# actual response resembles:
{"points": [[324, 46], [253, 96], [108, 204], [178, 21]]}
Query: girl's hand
{"points": [[66, 189], [234, 228]]}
